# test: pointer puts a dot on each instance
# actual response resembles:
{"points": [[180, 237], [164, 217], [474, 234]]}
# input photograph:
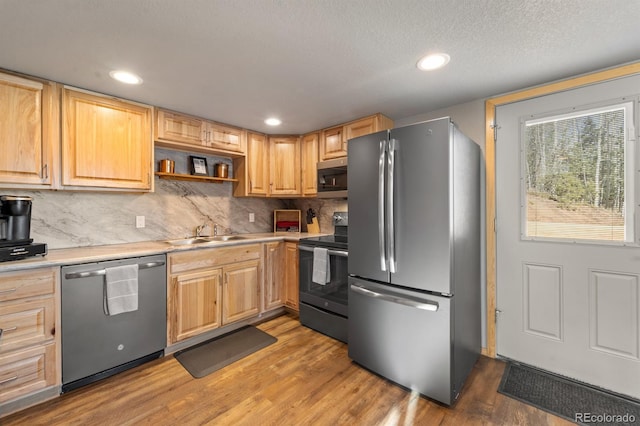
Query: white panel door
{"points": [[569, 305]]}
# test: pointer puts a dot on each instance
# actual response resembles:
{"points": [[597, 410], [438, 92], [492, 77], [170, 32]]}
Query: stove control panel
{"points": [[341, 219]]}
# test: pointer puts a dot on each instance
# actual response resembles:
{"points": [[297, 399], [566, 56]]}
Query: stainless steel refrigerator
{"points": [[414, 256]]}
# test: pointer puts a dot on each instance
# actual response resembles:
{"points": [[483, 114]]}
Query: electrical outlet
{"points": [[139, 221], [252, 217]]}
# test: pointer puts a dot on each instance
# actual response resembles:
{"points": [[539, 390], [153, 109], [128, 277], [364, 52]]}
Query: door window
{"points": [[578, 175]]}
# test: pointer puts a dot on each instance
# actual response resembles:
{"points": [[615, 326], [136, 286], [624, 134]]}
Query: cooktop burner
{"points": [[328, 241]]}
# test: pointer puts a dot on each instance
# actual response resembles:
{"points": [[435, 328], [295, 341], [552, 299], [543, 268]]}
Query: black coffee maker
{"points": [[15, 229], [15, 220]]}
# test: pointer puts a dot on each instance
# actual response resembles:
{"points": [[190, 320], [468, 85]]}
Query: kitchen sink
{"points": [[226, 238], [188, 241], [204, 240]]}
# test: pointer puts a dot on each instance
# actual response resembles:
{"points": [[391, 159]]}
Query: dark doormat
{"points": [[212, 355], [567, 398]]}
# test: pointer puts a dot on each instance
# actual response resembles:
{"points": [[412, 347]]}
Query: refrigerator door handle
{"points": [[391, 161], [381, 206], [426, 305]]}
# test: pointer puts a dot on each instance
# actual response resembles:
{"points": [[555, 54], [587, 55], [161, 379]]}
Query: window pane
{"points": [[574, 169]]}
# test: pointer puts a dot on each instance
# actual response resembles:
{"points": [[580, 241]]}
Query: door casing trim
{"points": [[490, 162]]}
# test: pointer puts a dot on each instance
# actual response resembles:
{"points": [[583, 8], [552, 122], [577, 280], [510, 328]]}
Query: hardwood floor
{"points": [[305, 378]]}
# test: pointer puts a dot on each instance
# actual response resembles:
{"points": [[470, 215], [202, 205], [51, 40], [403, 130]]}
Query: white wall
{"points": [[470, 118]]}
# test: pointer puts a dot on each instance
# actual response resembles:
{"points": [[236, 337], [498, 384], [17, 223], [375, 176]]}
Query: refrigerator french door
{"points": [[414, 239]]}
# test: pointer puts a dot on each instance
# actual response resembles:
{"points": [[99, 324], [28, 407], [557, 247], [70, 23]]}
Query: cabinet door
{"points": [[26, 142], [292, 288], [173, 127], [274, 275], [195, 307], [106, 142], [309, 164], [284, 166], [333, 143], [225, 138], [367, 125], [258, 159], [241, 290], [361, 127]]}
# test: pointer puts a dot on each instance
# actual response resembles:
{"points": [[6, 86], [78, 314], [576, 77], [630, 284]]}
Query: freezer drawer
{"points": [[404, 336]]}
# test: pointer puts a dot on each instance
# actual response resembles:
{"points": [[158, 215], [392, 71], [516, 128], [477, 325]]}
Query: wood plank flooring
{"points": [[305, 378]]}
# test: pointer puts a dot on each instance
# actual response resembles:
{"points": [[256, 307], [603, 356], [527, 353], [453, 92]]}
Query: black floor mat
{"points": [[212, 355], [566, 398]]}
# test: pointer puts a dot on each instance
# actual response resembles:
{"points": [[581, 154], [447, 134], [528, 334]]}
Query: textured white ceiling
{"points": [[313, 63]]}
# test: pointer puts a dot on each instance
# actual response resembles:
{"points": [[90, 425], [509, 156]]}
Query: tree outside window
{"points": [[575, 170]]}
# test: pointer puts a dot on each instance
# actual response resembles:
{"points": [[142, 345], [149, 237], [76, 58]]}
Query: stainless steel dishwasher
{"points": [[96, 345]]}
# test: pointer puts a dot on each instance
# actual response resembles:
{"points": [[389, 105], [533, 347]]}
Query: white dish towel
{"points": [[321, 266], [121, 289]]}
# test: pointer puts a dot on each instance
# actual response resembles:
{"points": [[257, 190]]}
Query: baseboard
{"points": [[23, 402]]}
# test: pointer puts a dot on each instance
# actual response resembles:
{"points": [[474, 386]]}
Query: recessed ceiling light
{"points": [[433, 61], [125, 77], [273, 121]]}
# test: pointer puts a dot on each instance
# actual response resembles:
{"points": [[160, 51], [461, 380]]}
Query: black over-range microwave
{"points": [[332, 178]]}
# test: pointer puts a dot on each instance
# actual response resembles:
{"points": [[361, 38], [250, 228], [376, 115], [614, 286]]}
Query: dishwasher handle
{"points": [[99, 272], [426, 305]]}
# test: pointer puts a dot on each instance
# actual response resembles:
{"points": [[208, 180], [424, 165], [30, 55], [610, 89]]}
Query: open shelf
{"points": [[194, 178]]}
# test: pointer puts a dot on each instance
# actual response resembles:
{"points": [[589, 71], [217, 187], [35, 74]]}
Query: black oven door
{"points": [[331, 296]]}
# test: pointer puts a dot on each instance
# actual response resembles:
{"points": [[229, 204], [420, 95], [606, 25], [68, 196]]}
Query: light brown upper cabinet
{"points": [[284, 166], [106, 142], [333, 143], [225, 138], [252, 172], [179, 128], [181, 131], [271, 167], [309, 152], [29, 129]]}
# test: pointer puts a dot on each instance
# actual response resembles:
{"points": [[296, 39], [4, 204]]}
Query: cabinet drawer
{"points": [[207, 258], [26, 371], [16, 285], [26, 322]]}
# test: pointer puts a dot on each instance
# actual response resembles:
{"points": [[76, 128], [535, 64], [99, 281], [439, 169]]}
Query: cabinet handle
{"points": [[4, 330], [11, 290], [44, 173], [10, 379]]}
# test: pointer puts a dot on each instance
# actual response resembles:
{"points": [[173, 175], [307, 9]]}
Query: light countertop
{"points": [[76, 255]]}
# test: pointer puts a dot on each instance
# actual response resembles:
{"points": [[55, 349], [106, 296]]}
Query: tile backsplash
{"points": [[65, 219]]}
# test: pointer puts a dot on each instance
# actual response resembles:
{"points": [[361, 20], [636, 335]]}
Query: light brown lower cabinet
{"points": [[29, 360], [212, 287], [240, 291], [291, 276], [196, 303], [274, 275]]}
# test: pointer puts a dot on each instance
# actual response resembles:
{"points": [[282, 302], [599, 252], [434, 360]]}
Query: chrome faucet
{"points": [[199, 229], [215, 229]]}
